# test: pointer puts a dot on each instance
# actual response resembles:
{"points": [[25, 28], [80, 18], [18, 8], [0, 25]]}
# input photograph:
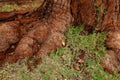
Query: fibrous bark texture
{"points": [[41, 36], [39, 31], [110, 23], [102, 15]]}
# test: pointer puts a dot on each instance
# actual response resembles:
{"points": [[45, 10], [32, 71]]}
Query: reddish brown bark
{"points": [[110, 23], [43, 35], [49, 22], [103, 15]]}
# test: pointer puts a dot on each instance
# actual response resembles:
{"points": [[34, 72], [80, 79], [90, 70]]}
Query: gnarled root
{"points": [[111, 61], [42, 36]]}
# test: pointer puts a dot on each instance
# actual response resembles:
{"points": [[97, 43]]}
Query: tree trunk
{"points": [[51, 20], [41, 36], [103, 15]]}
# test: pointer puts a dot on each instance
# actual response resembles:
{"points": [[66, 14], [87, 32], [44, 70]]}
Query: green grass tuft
{"points": [[59, 65]]}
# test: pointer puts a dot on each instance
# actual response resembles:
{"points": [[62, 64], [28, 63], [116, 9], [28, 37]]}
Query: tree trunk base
{"points": [[29, 35], [34, 32]]}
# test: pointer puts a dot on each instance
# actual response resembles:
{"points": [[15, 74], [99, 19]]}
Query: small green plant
{"points": [[59, 65], [8, 7]]}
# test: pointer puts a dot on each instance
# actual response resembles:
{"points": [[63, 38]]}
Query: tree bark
{"points": [[41, 36], [51, 20], [103, 15]]}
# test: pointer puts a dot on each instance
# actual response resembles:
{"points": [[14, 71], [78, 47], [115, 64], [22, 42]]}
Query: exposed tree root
{"points": [[111, 61], [40, 36], [110, 23], [35, 32]]}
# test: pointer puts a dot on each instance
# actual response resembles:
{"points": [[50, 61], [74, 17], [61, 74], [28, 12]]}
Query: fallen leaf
{"points": [[76, 67]]}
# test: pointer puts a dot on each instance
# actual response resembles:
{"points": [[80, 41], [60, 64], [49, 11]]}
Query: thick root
{"points": [[111, 61], [9, 34]]}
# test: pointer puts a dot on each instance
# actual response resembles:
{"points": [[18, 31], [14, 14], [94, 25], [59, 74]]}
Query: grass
{"points": [[59, 65]]}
